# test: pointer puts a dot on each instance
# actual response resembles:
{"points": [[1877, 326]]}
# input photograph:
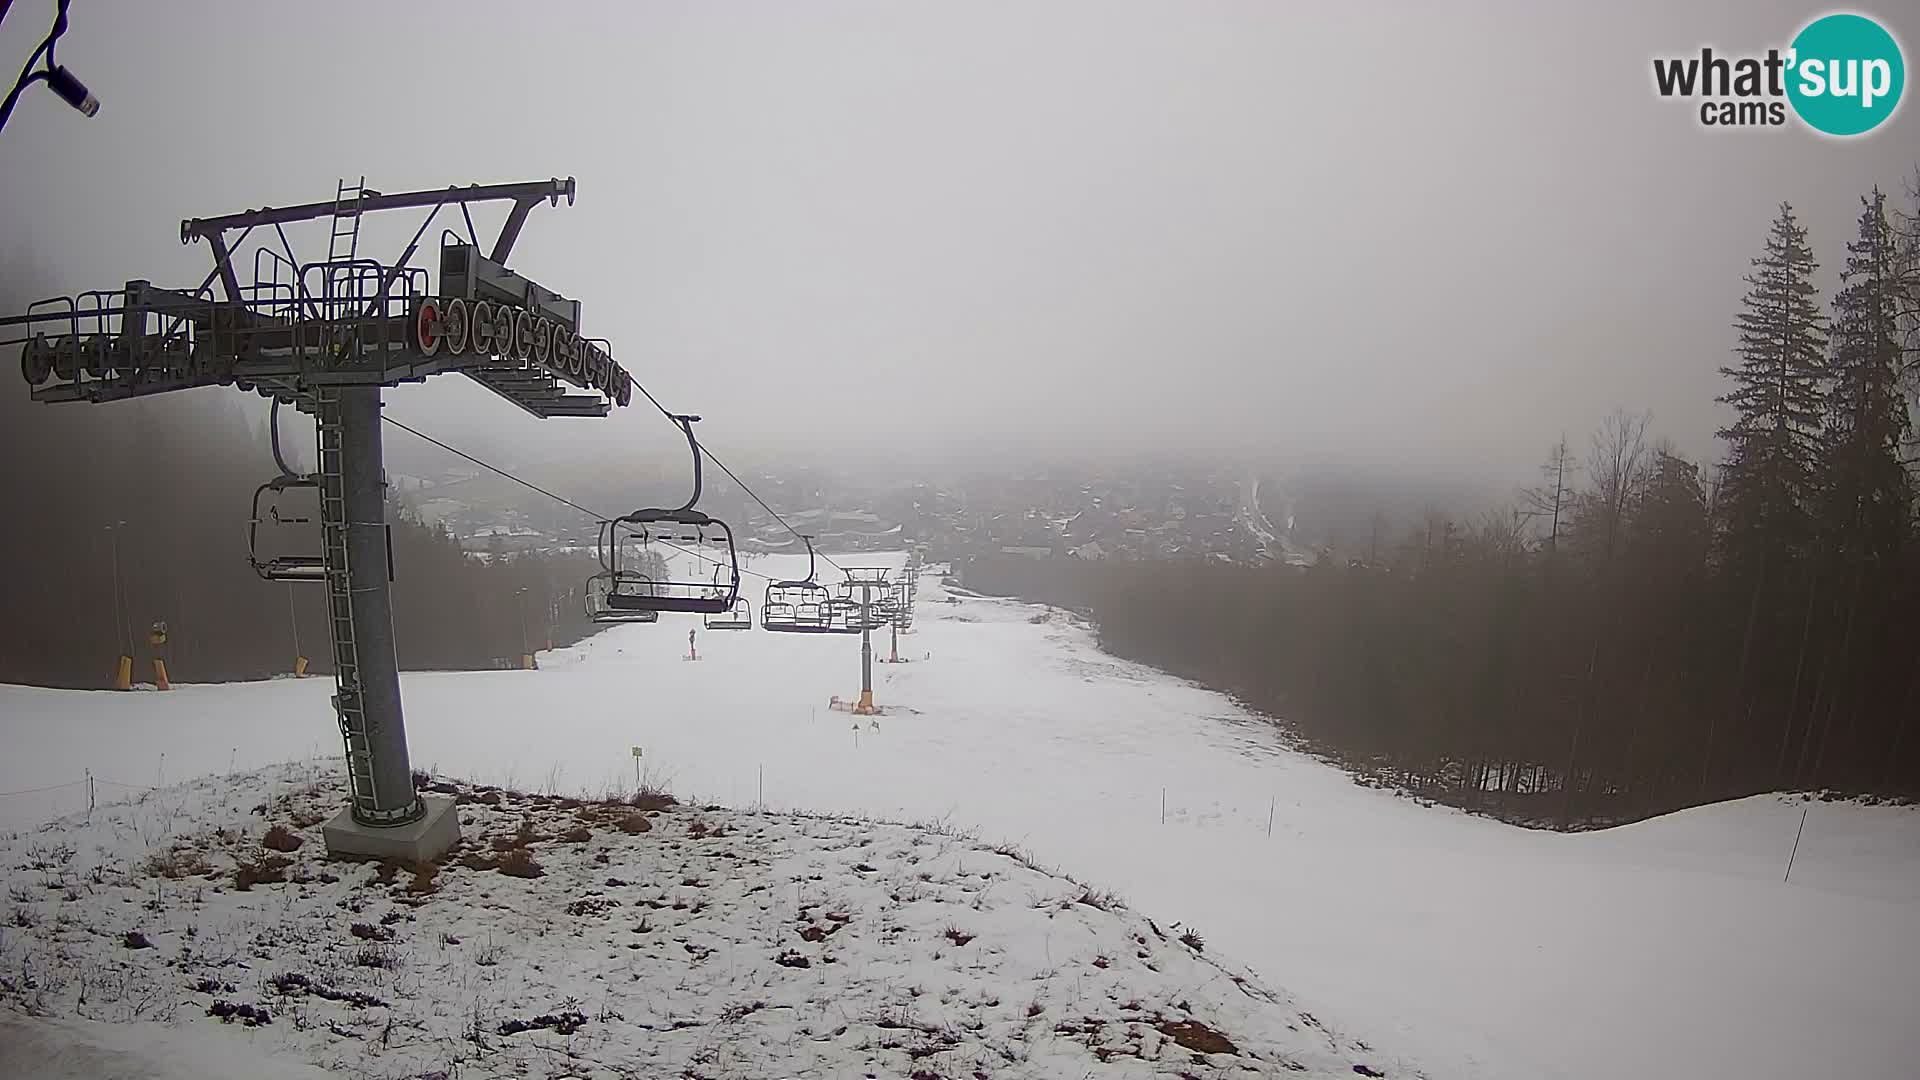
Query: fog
{"points": [[986, 231]]}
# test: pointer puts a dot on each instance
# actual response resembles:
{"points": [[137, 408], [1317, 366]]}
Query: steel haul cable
{"points": [[664, 411], [531, 486], [668, 414]]}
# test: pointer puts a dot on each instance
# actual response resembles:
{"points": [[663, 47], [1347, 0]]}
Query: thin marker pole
{"points": [[1796, 843]]}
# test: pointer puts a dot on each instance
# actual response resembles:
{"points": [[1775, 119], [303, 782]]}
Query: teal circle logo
{"points": [[1846, 74]]}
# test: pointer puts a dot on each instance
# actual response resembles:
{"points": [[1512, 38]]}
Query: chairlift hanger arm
{"points": [[808, 540], [684, 514], [273, 438], [686, 422]]}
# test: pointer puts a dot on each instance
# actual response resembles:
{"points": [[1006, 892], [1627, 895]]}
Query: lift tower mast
{"points": [[866, 579], [327, 336]]}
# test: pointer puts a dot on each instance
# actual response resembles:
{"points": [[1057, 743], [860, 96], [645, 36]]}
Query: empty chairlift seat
{"points": [[799, 606], [684, 593], [603, 586]]}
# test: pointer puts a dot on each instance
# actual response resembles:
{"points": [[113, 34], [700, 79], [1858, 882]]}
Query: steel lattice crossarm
{"points": [[339, 322]]}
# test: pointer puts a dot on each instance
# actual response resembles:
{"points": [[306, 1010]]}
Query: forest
{"points": [[130, 513], [1635, 633]]}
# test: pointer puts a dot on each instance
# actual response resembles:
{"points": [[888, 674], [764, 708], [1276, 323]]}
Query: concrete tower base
{"points": [[415, 842]]}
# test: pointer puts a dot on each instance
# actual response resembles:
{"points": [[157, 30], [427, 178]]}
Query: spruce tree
{"points": [[1768, 477], [1865, 490]]}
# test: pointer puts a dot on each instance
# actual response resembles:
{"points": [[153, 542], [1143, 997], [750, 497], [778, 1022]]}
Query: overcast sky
{"points": [[1435, 234]]}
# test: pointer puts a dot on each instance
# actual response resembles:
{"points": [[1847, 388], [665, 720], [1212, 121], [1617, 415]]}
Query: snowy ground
{"points": [[663, 941], [1449, 942]]}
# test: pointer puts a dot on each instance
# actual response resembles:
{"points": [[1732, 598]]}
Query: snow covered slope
{"points": [[599, 940], [1468, 947]]}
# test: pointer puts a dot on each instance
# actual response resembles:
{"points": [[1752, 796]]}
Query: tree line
{"points": [[1635, 633]]}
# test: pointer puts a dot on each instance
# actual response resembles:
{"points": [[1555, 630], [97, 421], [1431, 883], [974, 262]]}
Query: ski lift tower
{"points": [[327, 336], [866, 579]]}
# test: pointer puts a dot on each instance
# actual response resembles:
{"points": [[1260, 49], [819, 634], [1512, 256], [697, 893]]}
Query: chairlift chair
{"points": [[281, 567], [799, 606], [693, 597], [776, 614], [842, 615], [901, 604], [739, 617], [603, 585]]}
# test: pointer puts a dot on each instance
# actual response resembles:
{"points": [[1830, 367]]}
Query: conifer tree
{"points": [[1768, 477], [1865, 490]]}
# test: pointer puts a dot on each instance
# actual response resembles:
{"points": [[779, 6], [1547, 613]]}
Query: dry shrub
{"points": [[280, 838], [519, 863], [271, 869], [176, 863], [522, 837], [384, 957], [651, 799], [1095, 898], [423, 883], [1197, 1037]]}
